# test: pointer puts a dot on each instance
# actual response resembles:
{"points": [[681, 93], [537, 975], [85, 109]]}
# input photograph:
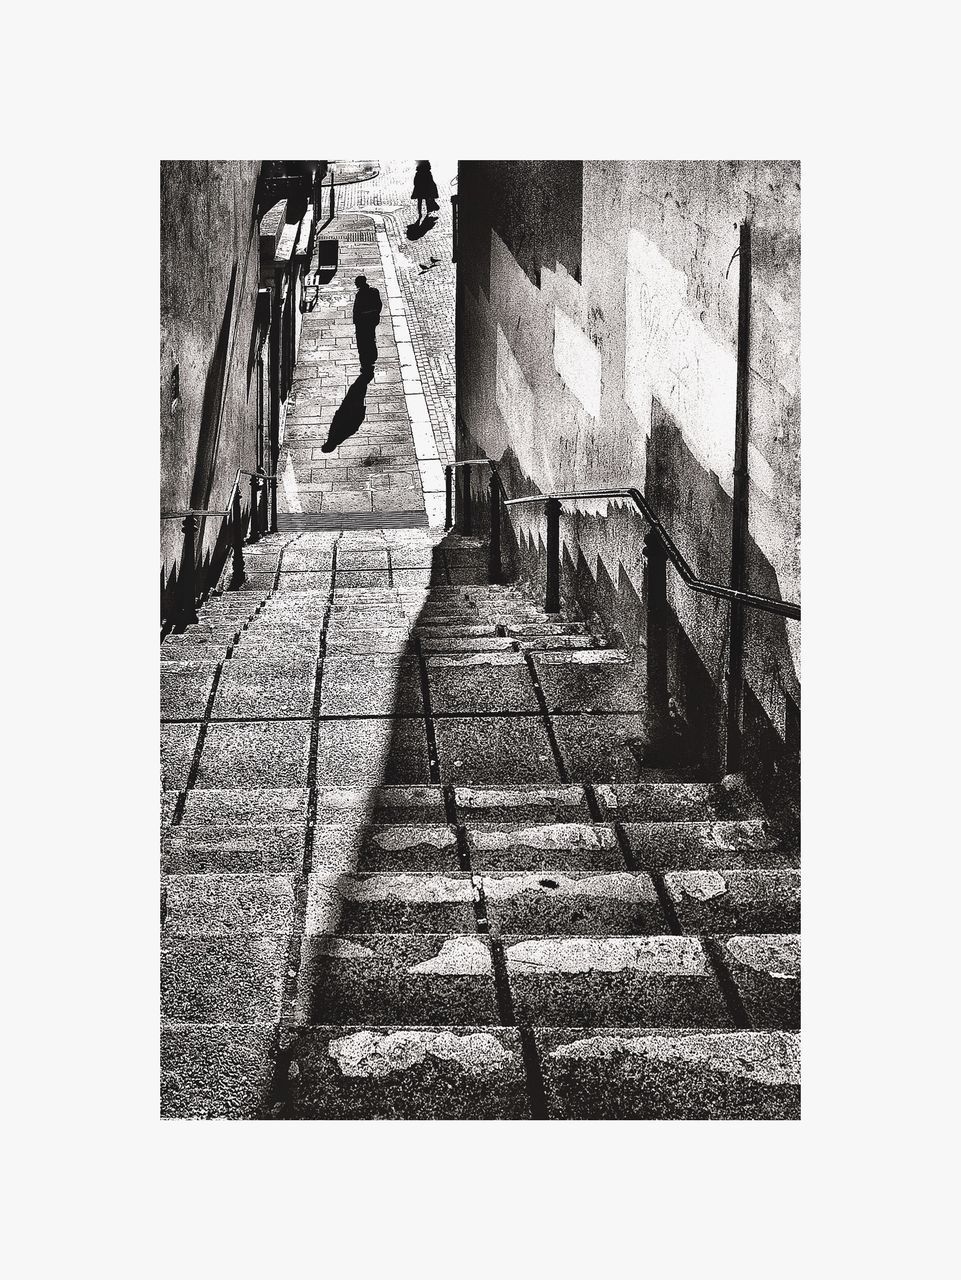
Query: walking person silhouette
{"points": [[367, 308], [425, 188]]}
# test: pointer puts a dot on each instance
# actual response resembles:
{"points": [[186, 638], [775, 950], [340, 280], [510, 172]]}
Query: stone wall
{"points": [[596, 346], [209, 275]]}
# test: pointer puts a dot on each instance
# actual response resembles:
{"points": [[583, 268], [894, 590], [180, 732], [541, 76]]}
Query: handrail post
{"points": [[238, 573], [263, 508], [187, 577], [552, 601], [494, 572], [448, 496], [254, 533], [465, 516], [656, 601]]}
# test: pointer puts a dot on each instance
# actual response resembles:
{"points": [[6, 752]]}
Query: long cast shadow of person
{"points": [[349, 415]]}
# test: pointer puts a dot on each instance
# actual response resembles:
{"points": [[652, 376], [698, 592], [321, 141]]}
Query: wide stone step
{"points": [[202, 848], [402, 979], [361, 845], [676, 801], [523, 804], [766, 969], [662, 981], [213, 905], [381, 805], [623, 1074], [736, 901], [406, 1073], [557, 902], [591, 680]]}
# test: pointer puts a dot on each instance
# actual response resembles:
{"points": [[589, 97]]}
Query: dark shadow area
{"points": [[416, 230], [350, 414], [212, 407]]}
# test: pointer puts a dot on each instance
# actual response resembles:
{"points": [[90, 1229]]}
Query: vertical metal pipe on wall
{"points": [[275, 376], [739, 522]]}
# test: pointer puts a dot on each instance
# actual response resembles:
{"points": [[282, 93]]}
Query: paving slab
{"points": [[388, 751], [177, 743], [736, 901], [559, 902], [372, 684], [249, 689], [348, 560], [185, 688], [255, 754], [613, 981], [317, 580], [600, 748], [382, 805], [222, 980], [658, 802], [621, 1074], [492, 749], [241, 849], [212, 1073], [591, 680], [407, 1073], [399, 979], [480, 682], [766, 969], [543, 846], [213, 905]]}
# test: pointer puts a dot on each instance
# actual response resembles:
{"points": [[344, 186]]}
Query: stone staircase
{"points": [[413, 866]]}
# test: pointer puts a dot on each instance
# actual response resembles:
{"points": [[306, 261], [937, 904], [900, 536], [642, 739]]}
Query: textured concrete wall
{"points": [[613, 361], [209, 270]]}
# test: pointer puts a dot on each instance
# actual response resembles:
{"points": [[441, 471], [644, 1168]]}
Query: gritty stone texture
{"points": [[494, 749], [600, 748], [522, 804], [373, 751], [581, 903], [559, 846], [618, 1074], [385, 902], [353, 560], [305, 560], [313, 581], [184, 689], [767, 972], [249, 689], [399, 1073], [384, 805], [256, 806], [371, 684], [658, 802], [590, 681], [256, 754], [177, 743], [213, 905], [410, 848], [199, 849], [222, 980], [363, 578], [210, 1072], [399, 980], [650, 981], [480, 682], [736, 901], [168, 803], [700, 845]]}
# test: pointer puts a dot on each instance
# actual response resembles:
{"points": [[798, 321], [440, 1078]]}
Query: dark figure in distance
{"points": [[367, 306], [425, 188]]}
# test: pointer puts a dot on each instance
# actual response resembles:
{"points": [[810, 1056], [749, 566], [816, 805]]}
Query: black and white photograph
{"points": [[480, 651]]}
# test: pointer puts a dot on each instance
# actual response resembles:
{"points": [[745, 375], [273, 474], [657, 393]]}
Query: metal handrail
{"points": [[768, 604]]}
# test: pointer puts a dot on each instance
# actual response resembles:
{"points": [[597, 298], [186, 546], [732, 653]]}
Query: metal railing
{"points": [[194, 523]]}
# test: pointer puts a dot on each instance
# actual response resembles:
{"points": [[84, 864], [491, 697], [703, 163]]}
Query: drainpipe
{"points": [[275, 375], [739, 522]]}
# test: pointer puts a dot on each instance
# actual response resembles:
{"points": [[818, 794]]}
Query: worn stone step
{"points": [[252, 687], [677, 801], [215, 904], [185, 688], [391, 902], [558, 902], [480, 682], [406, 1073], [554, 846], [468, 644], [373, 684], [613, 981], [222, 979], [736, 901], [524, 804], [766, 969], [246, 806], [547, 627], [591, 680], [399, 979], [194, 849], [210, 1072], [707, 845], [623, 1074], [534, 644], [381, 805], [469, 630]]}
